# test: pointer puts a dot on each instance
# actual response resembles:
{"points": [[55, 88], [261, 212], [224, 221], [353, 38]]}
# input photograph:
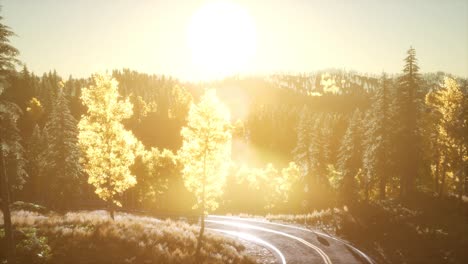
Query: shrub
{"points": [[19, 205], [32, 248]]}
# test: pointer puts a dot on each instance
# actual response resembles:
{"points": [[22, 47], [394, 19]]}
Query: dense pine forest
{"points": [[380, 160], [355, 137]]}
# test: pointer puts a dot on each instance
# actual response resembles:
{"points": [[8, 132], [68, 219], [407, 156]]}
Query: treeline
{"points": [[46, 169], [404, 135], [353, 137]]}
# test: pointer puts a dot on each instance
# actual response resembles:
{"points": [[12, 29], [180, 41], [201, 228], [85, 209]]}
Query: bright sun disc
{"points": [[221, 36]]}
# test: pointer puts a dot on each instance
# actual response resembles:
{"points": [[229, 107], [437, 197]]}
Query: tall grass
{"points": [[91, 237]]}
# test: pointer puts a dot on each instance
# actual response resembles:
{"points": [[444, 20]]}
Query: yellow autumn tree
{"points": [[273, 186], [448, 106], [108, 147], [206, 153]]}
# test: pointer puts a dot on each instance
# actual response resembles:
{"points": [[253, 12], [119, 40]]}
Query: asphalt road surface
{"points": [[290, 244]]}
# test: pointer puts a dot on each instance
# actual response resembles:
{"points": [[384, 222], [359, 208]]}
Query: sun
{"points": [[222, 39]]}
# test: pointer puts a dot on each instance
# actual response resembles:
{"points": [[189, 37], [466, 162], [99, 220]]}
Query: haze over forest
{"points": [[233, 131]]}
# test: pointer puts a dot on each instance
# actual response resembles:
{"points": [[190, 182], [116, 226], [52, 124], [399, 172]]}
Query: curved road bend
{"points": [[291, 244]]}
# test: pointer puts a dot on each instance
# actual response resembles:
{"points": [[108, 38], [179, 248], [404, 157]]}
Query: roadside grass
{"points": [[92, 237]]}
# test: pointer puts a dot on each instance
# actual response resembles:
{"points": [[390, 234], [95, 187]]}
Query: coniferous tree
{"points": [[350, 158], [10, 147], [378, 146], [320, 148], [62, 169], [36, 147], [408, 107], [303, 154]]}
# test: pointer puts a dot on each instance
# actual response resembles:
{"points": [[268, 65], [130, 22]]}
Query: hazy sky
{"points": [[83, 36]]}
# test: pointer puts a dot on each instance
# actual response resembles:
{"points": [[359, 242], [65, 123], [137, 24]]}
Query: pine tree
{"points": [[36, 147], [378, 145], [62, 169], [109, 149], [321, 148], [350, 158], [206, 153], [408, 106], [9, 134], [303, 152]]}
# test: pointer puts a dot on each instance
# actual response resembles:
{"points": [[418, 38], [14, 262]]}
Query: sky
{"points": [[297, 36]]}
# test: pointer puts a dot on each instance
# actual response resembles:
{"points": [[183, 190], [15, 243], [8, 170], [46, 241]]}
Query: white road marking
{"points": [[253, 239], [369, 260], [322, 254]]}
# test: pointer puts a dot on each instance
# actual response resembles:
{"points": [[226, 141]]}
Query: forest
{"points": [[365, 153]]}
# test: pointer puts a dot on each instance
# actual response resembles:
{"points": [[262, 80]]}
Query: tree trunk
{"points": [[383, 185], [436, 179], [202, 231], [10, 244], [367, 191], [461, 178], [442, 184], [202, 227], [111, 210]]}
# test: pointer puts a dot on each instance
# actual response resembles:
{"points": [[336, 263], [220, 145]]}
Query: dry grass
{"points": [[328, 219], [92, 237]]}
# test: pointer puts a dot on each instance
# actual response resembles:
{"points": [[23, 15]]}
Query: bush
{"points": [[19, 205], [32, 248]]}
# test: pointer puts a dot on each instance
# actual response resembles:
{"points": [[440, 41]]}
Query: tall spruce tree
{"points": [[61, 159], [350, 158], [9, 135], [303, 152], [378, 146], [408, 105], [320, 148], [36, 147]]}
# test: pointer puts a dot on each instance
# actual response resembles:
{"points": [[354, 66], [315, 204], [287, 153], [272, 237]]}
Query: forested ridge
{"points": [[357, 146], [325, 122]]}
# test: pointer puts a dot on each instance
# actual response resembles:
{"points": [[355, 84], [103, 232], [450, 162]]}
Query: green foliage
{"points": [[33, 248], [10, 145], [350, 158], [408, 106], [154, 170], [30, 207], [378, 167], [60, 166]]}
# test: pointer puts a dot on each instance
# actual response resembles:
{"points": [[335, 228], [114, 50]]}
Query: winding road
{"points": [[290, 244]]}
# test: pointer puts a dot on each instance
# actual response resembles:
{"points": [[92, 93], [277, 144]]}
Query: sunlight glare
{"points": [[222, 39]]}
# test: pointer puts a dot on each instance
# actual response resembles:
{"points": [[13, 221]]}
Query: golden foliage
{"points": [[35, 109], [273, 185], [109, 149], [206, 150]]}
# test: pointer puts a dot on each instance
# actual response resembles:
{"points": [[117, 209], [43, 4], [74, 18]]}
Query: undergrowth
{"points": [[92, 237]]}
